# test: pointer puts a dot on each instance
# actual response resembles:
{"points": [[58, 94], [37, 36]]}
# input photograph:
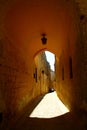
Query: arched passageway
{"points": [[44, 74], [44, 82], [23, 26]]}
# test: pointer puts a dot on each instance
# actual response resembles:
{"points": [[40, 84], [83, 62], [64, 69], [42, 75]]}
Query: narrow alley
{"points": [[28, 30]]}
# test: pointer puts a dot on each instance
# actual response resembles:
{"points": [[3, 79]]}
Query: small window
{"points": [[36, 74], [70, 66], [42, 71], [1, 117]]}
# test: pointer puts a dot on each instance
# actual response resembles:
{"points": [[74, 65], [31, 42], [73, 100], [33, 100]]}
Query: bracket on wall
{"points": [[44, 39], [42, 71], [70, 66]]}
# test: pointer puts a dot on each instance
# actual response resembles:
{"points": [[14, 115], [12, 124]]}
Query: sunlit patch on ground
{"points": [[50, 106]]}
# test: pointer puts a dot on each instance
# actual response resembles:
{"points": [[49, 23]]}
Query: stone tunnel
{"points": [[22, 25]]}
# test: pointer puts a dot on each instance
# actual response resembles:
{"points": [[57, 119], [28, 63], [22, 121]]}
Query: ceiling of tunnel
{"points": [[23, 22]]}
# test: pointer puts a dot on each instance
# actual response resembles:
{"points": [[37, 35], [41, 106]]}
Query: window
{"points": [[36, 74], [70, 66]]}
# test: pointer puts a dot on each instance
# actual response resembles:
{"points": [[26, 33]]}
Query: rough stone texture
{"points": [[42, 76], [82, 4], [75, 89], [84, 62], [13, 80]]}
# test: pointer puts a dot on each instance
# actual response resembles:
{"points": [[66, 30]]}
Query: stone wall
{"points": [[41, 74], [82, 5], [14, 77], [69, 69], [84, 61]]}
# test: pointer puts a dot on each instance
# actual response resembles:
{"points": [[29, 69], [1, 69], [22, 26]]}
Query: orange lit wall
{"points": [[22, 24]]}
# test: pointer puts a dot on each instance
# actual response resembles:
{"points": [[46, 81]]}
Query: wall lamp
{"points": [[44, 39]]}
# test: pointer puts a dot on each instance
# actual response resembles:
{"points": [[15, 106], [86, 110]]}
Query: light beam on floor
{"points": [[49, 107]]}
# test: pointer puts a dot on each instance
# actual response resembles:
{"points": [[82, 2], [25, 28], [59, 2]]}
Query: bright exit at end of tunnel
{"points": [[45, 82], [51, 59], [49, 107]]}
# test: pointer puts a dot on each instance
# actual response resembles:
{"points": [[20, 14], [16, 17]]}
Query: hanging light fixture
{"points": [[44, 39]]}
